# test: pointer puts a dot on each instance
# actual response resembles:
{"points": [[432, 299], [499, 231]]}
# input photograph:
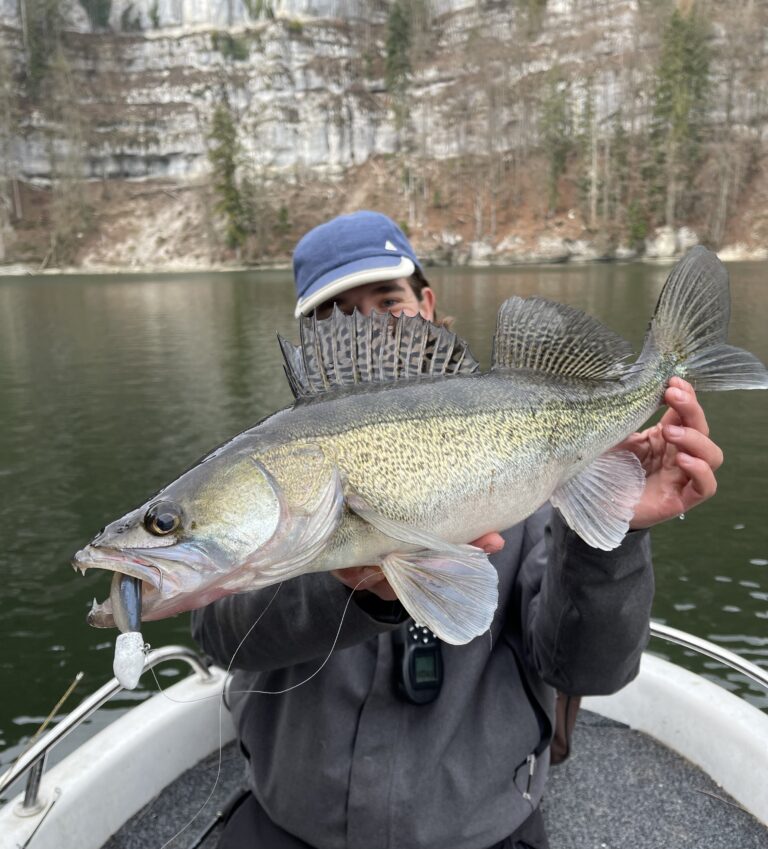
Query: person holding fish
{"points": [[408, 699]]}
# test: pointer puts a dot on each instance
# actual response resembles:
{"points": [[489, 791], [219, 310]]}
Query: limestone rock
{"points": [[662, 245], [480, 253]]}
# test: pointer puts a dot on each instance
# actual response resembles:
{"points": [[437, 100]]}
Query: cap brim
{"points": [[368, 270]]}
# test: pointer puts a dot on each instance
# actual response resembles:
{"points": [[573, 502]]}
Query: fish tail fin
{"points": [[689, 328]]}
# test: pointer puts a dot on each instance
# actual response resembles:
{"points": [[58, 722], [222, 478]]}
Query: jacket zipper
{"points": [[531, 761]]}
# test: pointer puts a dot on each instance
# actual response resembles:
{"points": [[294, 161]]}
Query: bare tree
{"points": [[69, 213], [10, 199]]}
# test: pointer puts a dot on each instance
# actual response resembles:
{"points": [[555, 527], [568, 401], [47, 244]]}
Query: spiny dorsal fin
{"points": [[537, 334], [347, 350]]}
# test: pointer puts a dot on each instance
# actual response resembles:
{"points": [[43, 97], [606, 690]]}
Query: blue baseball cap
{"points": [[348, 251]]}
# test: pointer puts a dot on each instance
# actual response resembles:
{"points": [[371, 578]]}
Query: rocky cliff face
{"points": [[150, 15], [460, 154], [145, 100], [308, 86]]}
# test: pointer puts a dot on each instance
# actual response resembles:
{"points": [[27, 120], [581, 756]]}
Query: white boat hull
{"points": [[110, 777], [114, 774], [721, 734]]}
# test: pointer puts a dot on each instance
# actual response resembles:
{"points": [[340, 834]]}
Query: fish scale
{"points": [[417, 466]]}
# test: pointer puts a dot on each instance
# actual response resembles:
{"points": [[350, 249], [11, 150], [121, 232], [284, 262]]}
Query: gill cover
{"points": [[310, 497]]}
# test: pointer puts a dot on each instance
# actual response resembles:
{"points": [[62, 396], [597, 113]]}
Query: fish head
{"points": [[188, 540]]}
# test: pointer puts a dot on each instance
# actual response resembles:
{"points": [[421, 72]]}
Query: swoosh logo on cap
{"points": [[389, 246]]}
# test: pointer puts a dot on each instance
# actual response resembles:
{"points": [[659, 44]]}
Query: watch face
{"points": [[424, 668]]}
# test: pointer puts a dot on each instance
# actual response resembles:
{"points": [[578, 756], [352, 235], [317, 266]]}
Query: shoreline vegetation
{"points": [[475, 256]]}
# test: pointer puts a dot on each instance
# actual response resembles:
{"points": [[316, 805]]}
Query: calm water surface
{"points": [[111, 386]]}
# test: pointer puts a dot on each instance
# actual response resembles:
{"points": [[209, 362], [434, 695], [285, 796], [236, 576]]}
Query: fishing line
{"points": [[231, 660], [220, 695], [240, 644], [327, 657]]}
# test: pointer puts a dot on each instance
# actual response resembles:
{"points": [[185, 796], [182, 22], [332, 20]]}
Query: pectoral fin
{"points": [[599, 502], [452, 589], [454, 594]]}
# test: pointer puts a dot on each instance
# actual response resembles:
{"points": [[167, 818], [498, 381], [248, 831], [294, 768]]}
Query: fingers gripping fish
{"points": [[398, 452]]}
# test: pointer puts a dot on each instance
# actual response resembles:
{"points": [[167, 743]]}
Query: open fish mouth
{"points": [[155, 593]]}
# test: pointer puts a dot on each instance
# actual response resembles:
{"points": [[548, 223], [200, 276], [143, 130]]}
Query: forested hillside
{"points": [[166, 133]]}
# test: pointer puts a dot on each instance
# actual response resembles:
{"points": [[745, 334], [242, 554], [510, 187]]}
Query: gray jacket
{"points": [[342, 763]]}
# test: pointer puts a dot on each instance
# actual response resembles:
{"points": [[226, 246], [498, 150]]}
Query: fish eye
{"points": [[163, 518]]}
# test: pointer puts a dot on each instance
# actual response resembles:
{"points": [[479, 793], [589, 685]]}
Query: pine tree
{"points": [[98, 12], [398, 62], [42, 23], [224, 154], [586, 143], [556, 134], [679, 108], [619, 197]]}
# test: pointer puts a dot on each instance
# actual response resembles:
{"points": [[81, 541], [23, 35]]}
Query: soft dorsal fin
{"points": [[346, 350], [537, 334]]}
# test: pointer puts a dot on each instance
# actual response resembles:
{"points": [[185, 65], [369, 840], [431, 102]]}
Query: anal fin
{"points": [[599, 502]]}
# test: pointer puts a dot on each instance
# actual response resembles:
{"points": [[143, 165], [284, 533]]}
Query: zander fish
{"points": [[398, 452]]}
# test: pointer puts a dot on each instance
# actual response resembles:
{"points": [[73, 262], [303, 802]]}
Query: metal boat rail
{"points": [[34, 758], [697, 644]]}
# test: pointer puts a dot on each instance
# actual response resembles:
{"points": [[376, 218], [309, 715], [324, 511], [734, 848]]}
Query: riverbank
{"points": [[475, 255], [169, 226]]}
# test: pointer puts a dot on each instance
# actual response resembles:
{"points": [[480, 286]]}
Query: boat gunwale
{"points": [[651, 714]]}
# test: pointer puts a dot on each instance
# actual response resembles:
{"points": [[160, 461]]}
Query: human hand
{"points": [[679, 458], [371, 578]]}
